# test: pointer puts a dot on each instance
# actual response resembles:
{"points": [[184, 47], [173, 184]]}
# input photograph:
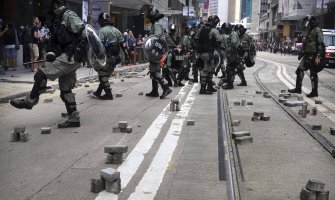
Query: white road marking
{"points": [[131, 164], [290, 83], [150, 182]]}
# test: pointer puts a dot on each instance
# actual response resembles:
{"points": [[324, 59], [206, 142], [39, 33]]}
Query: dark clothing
{"points": [[9, 37], [34, 39]]}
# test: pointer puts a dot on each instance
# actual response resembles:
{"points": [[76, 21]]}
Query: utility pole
{"points": [[89, 17]]}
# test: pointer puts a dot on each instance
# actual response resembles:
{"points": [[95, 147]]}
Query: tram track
{"points": [[315, 134]]}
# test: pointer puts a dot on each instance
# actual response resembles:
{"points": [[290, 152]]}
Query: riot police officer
{"points": [[208, 38], [187, 48], [233, 58], [154, 66], [312, 58], [246, 41], [112, 38], [222, 51], [66, 42], [174, 61]]}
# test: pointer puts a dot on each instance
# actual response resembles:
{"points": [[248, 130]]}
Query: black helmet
{"points": [[172, 28], [226, 28], [309, 21], [104, 19], [213, 20], [153, 15], [239, 28]]}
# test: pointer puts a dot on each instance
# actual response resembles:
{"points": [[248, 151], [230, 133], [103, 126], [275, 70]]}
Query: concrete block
{"points": [[64, 115], [240, 134], [141, 93], [118, 95], [129, 129], [91, 81], [129, 76], [15, 137], [116, 149], [45, 130], [123, 130], [122, 80], [283, 91], [190, 123], [116, 129], [300, 98], [90, 91], [243, 102], [294, 103], [122, 124], [259, 92], [282, 100], [79, 85], [97, 185], [110, 174], [19, 129], [316, 127], [48, 100], [237, 103], [265, 118], [258, 114], [50, 91], [332, 131], [304, 111], [114, 158], [87, 85], [174, 105], [250, 103], [113, 187], [287, 96], [24, 137], [314, 111], [318, 102], [315, 185], [236, 122], [291, 94], [244, 140], [267, 96], [254, 118], [306, 194], [322, 195]]}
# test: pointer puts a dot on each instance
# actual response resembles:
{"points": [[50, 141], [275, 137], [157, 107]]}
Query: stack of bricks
{"points": [[242, 137], [114, 153], [174, 105], [19, 134], [260, 116], [109, 180], [314, 190], [122, 127]]}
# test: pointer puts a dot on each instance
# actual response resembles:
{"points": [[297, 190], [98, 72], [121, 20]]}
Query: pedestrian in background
{"points": [[35, 38], [11, 45], [131, 47]]}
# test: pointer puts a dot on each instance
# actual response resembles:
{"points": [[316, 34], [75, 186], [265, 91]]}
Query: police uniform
{"points": [[245, 43], [112, 38], [68, 33], [222, 51], [233, 59], [313, 48], [187, 47], [208, 38]]}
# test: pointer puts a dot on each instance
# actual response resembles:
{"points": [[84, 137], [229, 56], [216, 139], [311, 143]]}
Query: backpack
{"points": [[204, 43]]}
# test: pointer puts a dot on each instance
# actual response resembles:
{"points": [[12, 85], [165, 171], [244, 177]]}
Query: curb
{"points": [[55, 86]]}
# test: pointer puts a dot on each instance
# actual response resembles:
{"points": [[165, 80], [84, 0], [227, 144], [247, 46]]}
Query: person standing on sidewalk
{"points": [[312, 58], [11, 43], [34, 45], [154, 66], [68, 35], [113, 40]]}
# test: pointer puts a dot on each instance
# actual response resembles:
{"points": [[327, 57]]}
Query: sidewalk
{"points": [[14, 84]]}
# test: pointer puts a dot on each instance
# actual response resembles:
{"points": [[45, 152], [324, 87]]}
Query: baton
{"points": [[38, 61]]}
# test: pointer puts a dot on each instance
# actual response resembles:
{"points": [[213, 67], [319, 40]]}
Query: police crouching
{"points": [[67, 43]]}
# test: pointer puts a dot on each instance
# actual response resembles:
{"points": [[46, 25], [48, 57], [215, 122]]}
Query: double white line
{"points": [[150, 182], [290, 83]]}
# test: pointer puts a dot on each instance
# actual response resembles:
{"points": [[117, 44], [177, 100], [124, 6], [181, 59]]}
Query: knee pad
{"points": [[40, 79]]}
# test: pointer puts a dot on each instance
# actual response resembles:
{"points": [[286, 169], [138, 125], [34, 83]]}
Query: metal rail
{"points": [[223, 135], [315, 134]]}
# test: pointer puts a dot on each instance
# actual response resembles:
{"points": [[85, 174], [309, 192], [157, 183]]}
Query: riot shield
{"points": [[96, 55], [155, 48]]}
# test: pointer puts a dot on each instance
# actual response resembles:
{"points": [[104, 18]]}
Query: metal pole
{"points": [[90, 18]]}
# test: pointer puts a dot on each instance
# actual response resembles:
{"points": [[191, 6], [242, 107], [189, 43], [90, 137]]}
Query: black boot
{"points": [[243, 81], [20, 104], [228, 86], [314, 81], [108, 95], [210, 87], [298, 82], [166, 91], [154, 91], [203, 87], [180, 83], [98, 92], [73, 117], [229, 82]]}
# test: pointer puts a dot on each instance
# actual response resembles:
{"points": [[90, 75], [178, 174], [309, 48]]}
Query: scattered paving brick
{"points": [[240, 134], [294, 103], [97, 185], [45, 130], [316, 127], [243, 102], [237, 103], [318, 102], [87, 85], [236, 122], [315, 185], [332, 131], [250, 103], [118, 95], [116, 149], [48, 100], [190, 122], [265, 118], [244, 140], [90, 91], [141, 93]]}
